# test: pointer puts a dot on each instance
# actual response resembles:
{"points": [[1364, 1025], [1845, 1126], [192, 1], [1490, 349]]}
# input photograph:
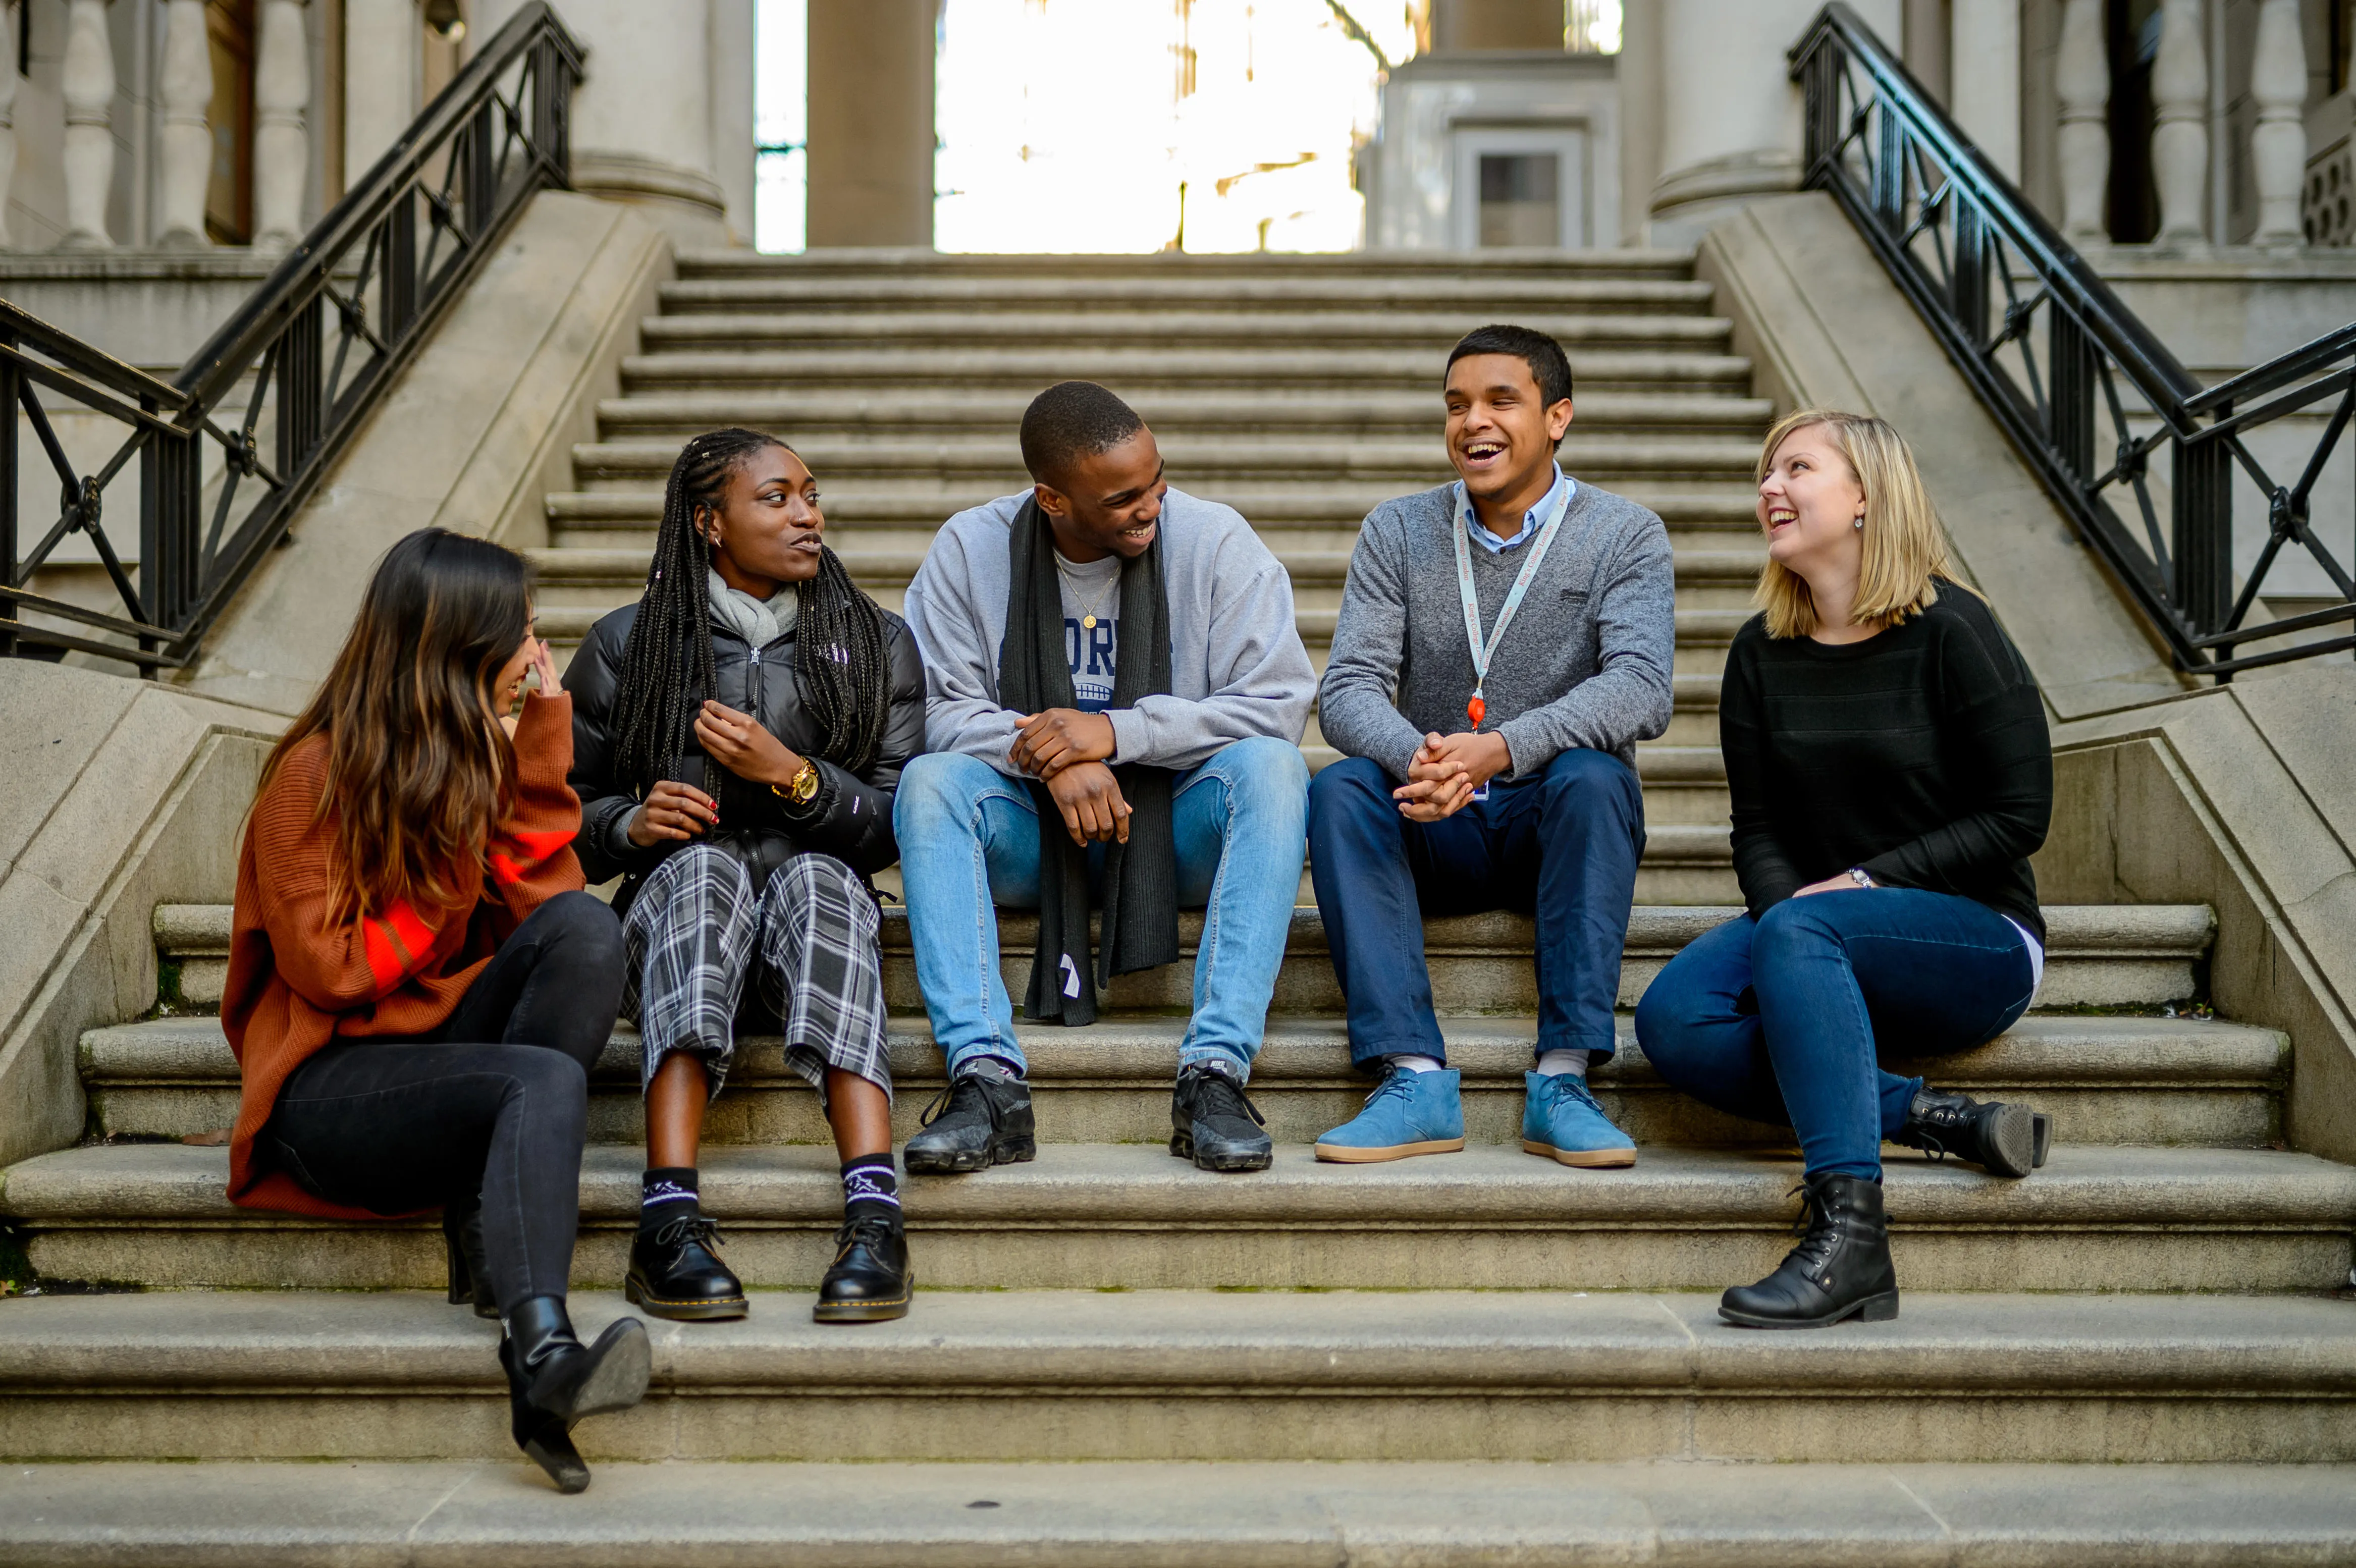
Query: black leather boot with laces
{"points": [[1212, 1124], [555, 1381], [871, 1280], [1841, 1268], [981, 1119], [2001, 1139], [676, 1272]]}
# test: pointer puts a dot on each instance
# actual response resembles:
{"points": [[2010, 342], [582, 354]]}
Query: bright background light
{"points": [[781, 121]]}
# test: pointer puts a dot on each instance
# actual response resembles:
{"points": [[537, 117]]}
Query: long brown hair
{"points": [[418, 766]]}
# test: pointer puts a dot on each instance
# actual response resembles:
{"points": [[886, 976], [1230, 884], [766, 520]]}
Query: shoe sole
{"points": [[1183, 1148], [625, 1366], [1341, 1156], [2012, 1140], [1013, 1152], [1879, 1309], [714, 1309], [1584, 1158], [864, 1311]]}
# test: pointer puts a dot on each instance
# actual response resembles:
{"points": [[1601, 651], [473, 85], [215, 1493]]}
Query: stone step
{"points": [[1045, 294], [1433, 331], [1325, 371], [1140, 1375], [868, 263], [2105, 1080], [498, 1512], [1112, 1216], [2108, 956]]}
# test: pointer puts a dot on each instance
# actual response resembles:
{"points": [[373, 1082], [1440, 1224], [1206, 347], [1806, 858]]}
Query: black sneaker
{"points": [[871, 1279], [981, 1119], [677, 1273], [2001, 1139], [1214, 1125]]}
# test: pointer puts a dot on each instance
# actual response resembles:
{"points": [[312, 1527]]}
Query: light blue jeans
{"points": [[970, 839]]}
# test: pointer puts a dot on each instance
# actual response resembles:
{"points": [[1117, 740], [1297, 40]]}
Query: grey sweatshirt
{"points": [[1586, 661], [1237, 666]]}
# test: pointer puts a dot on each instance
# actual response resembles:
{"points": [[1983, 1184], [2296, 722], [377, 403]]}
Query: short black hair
{"points": [[1549, 366], [1071, 421]]}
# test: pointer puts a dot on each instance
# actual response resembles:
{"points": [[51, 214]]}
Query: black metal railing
{"points": [[2093, 399], [228, 450]]}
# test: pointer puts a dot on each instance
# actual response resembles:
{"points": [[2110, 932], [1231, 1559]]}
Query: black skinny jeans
{"points": [[398, 1126]]}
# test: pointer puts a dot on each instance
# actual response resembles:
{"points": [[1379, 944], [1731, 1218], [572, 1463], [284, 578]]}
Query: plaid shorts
{"points": [[690, 938]]}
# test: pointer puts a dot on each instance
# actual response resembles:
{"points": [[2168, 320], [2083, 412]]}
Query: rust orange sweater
{"points": [[295, 984]]}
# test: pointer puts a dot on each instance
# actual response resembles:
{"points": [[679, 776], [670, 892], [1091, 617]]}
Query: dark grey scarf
{"points": [[1141, 884]]}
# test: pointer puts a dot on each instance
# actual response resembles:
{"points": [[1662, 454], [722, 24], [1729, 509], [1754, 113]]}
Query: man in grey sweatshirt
{"points": [[1504, 644], [1128, 775]]}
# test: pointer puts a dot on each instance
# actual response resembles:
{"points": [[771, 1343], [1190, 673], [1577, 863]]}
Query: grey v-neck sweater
{"points": [[1586, 661]]}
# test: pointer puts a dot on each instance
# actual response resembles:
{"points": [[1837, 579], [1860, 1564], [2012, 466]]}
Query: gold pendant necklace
{"points": [[1089, 619]]}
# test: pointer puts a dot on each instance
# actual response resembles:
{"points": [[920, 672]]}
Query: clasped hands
{"points": [[1066, 750], [738, 741], [1445, 771]]}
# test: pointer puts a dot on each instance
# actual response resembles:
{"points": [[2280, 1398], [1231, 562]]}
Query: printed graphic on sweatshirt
{"points": [[1090, 651]]}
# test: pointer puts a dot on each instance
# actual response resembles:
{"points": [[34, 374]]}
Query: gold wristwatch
{"points": [[800, 789]]}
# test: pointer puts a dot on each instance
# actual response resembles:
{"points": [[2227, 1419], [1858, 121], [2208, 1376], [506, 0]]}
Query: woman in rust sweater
{"points": [[417, 983]]}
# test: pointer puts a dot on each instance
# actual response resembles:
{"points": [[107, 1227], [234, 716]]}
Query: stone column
{"points": [[2082, 80], [1729, 112], [7, 118], [87, 84], [871, 121], [185, 161], [2278, 142], [643, 119], [281, 144], [384, 46], [2179, 138], [1984, 73]]}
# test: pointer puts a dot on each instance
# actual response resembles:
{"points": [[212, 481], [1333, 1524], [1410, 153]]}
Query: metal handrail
{"points": [[1985, 270], [311, 351]]}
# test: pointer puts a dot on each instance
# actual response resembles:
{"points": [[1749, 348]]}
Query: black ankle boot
{"points": [[1212, 1124], [554, 1381], [1840, 1269], [981, 1119], [470, 1272], [2001, 1139], [676, 1272], [871, 1280]]}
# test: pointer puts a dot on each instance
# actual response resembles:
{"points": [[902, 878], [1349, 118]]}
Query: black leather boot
{"points": [[871, 1280], [1212, 1124], [676, 1272], [1840, 1269], [470, 1272], [981, 1119], [2001, 1139], [555, 1381]]}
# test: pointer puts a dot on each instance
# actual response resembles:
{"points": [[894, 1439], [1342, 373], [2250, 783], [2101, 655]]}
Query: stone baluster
{"points": [[7, 116], [282, 146], [89, 92], [2278, 142], [2179, 139], [2081, 77], [184, 155]]}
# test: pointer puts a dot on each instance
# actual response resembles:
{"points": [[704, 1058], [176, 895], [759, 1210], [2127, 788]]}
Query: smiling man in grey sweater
{"points": [[1504, 644]]}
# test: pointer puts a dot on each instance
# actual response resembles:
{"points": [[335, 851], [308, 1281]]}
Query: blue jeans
{"points": [[1778, 1020], [969, 838], [1562, 845]]}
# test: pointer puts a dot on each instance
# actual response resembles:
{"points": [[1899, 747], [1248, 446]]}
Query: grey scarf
{"points": [[758, 622]]}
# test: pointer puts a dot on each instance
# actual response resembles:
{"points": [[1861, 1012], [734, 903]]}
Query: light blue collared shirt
{"points": [[1466, 520]]}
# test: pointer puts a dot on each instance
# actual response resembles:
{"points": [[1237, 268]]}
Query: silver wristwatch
{"points": [[1857, 874]]}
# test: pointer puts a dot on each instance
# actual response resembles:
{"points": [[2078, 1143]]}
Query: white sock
{"points": [[1414, 1064], [1555, 1063]]}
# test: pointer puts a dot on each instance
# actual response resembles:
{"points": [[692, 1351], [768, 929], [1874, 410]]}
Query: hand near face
{"points": [[738, 742], [1090, 800], [1051, 742]]}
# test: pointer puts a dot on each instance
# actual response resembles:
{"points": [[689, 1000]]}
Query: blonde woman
{"points": [[1886, 755]]}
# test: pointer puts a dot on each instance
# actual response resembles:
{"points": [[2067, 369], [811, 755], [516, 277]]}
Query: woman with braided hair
{"points": [[739, 734]]}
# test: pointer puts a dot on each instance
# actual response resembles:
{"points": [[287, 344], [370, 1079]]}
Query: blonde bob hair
{"points": [[1905, 547]]}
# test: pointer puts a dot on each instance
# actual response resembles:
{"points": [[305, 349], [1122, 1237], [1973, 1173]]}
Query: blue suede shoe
{"points": [[1561, 1119], [1410, 1113]]}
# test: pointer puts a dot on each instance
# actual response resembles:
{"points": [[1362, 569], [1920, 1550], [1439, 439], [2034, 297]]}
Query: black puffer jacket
{"points": [[851, 817]]}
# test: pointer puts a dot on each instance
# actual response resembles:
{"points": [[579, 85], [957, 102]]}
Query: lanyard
{"points": [[1484, 648]]}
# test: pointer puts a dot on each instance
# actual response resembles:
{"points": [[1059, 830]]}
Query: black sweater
{"points": [[1920, 754]]}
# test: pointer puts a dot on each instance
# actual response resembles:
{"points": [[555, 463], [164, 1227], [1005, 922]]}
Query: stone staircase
{"points": [[2162, 1292]]}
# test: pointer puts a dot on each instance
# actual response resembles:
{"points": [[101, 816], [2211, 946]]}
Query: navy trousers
{"points": [[1561, 844]]}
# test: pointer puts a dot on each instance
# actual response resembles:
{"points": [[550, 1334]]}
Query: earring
{"points": [[1858, 525]]}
